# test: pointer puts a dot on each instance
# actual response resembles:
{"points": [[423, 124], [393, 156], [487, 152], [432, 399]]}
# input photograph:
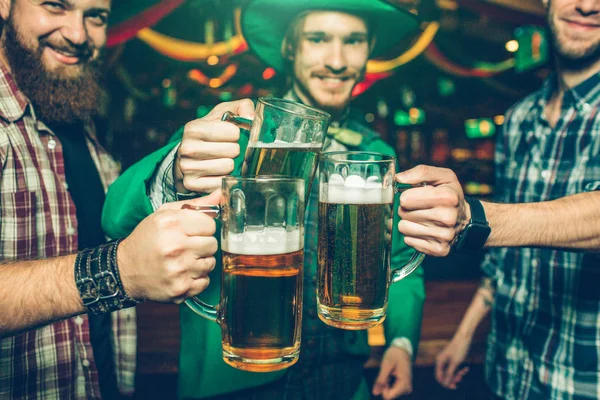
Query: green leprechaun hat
{"points": [[265, 23]]}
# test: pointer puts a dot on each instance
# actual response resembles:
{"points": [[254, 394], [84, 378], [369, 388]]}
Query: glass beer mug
{"points": [[262, 244], [286, 138], [356, 198]]}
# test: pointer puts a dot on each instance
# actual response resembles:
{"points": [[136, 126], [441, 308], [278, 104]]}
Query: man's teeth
{"points": [[64, 53]]}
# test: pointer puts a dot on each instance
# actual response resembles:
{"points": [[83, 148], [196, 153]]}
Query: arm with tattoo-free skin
{"points": [[455, 353], [166, 258], [434, 215]]}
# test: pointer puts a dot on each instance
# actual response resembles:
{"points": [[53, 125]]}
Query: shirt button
{"points": [[79, 321], [534, 263], [85, 363], [546, 174], [586, 108], [51, 144], [70, 231]]}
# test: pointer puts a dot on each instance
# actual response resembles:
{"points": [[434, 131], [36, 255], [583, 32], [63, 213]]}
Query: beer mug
{"points": [[356, 199], [286, 138], [262, 245]]}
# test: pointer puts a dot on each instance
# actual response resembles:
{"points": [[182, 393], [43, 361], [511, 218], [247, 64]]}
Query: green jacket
{"points": [[202, 372]]}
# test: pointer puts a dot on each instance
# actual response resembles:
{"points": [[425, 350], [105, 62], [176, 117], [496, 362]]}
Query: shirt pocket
{"points": [[591, 175], [18, 227]]}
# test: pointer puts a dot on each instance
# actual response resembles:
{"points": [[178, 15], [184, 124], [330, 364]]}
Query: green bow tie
{"points": [[345, 136]]}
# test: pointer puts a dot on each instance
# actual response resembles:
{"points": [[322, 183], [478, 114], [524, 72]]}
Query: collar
{"points": [[13, 103], [582, 97]]}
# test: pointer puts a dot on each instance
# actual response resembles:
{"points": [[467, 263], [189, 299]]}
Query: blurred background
{"points": [[439, 98]]}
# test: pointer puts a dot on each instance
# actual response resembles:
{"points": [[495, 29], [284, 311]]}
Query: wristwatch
{"points": [[475, 234]]}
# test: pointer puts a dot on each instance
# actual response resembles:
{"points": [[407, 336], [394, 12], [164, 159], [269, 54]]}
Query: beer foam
{"points": [[263, 241], [355, 190], [280, 144]]}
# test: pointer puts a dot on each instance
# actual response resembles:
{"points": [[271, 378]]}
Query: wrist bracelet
{"points": [[404, 344], [98, 280]]}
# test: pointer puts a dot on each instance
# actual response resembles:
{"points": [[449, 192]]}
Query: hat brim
{"points": [[265, 23]]}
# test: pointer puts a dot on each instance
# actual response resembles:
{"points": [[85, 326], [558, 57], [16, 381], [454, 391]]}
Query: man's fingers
{"points": [[204, 184], [424, 231], [202, 150], [211, 131], [194, 169], [426, 174], [426, 197], [202, 267], [442, 217], [400, 387], [198, 286], [459, 376], [450, 371], [382, 381], [440, 368], [243, 108]]}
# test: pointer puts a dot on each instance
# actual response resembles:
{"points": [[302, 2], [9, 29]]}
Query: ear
{"points": [[5, 9]]}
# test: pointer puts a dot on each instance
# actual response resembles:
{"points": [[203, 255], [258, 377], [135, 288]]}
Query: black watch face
{"points": [[473, 237]]}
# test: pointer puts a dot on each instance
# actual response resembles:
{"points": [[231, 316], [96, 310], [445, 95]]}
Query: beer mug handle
{"points": [[244, 124], [407, 269], [198, 306], [417, 257], [201, 308]]}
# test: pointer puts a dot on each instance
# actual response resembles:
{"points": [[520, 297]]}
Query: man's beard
{"points": [[567, 58], [56, 97]]}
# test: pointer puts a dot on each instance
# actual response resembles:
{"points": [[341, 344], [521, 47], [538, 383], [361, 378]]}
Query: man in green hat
{"points": [[58, 337], [323, 49]]}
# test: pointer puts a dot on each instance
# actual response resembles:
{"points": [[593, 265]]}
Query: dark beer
{"points": [[354, 263], [292, 159], [262, 306]]}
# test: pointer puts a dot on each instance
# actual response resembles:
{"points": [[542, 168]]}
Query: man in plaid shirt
{"points": [[53, 176], [543, 266]]}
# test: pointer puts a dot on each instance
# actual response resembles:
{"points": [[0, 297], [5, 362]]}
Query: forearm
{"points": [[480, 306], [36, 293], [571, 222]]}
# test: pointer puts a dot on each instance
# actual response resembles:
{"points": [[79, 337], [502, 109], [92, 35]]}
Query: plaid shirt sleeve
{"points": [[162, 185]]}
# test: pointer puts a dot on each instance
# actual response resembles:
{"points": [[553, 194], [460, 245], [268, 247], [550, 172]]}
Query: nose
{"points": [[588, 7], [74, 29], [336, 58]]}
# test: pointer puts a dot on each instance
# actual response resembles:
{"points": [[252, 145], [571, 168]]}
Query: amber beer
{"points": [[291, 159], [261, 301], [354, 257]]}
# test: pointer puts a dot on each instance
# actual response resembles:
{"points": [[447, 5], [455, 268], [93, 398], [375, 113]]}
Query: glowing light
{"points": [[212, 60], [268, 73], [195, 75], [485, 127], [215, 83], [499, 119], [166, 83], [512, 46], [369, 117]]}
